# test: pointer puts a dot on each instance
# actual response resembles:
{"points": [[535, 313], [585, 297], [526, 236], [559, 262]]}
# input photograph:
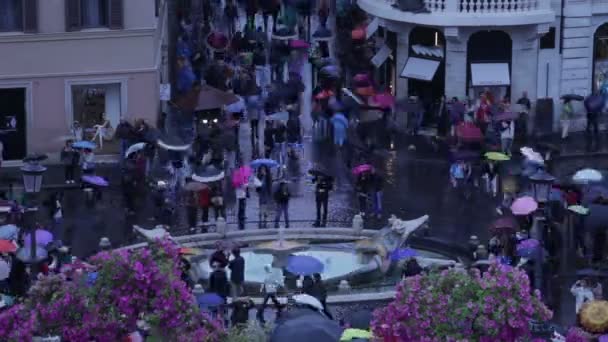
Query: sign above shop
{"points": [[381, 55], [420, 68], [490, 74]]}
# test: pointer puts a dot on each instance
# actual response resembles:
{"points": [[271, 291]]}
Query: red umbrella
{"points": [[7, 246], [504, 224], [217, 40], [468, 131], [362, 80]]}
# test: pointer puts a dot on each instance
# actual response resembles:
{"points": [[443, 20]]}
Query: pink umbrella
{"points": [[524, 206], [298, 44], [361, 169], [384, 100], [241, 176], [468, 131]]}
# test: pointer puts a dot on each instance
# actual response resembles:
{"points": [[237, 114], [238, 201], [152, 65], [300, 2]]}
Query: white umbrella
{"points": [[532, 155], [237, 107], [168, 147], [135, 148], [586, 176], [209, 179], [5, 269]]}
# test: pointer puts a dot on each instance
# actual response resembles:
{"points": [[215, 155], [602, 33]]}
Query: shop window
{"points": [[11, 15], [82, 14], [547, 41], [600, 59], [95, 106]]}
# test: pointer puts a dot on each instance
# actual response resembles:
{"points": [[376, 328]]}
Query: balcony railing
{"points": [[467, 12]]}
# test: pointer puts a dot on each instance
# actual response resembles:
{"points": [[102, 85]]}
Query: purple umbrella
{"points": [[43, 238], [304, 265], [528, 248], [95, 180]]}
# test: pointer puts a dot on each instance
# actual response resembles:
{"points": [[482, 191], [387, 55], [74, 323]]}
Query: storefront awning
{"points": [[490, 74], [381, 55], [429, 51], [420, 68], [371, 28]]}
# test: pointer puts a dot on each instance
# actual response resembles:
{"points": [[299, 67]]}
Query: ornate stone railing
{"points": [[465, 12]]}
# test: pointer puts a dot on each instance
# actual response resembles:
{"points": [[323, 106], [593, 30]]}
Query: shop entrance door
{"points": [[12, 123]]}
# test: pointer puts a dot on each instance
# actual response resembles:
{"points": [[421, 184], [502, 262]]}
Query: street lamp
{"points": [[541, 188], [541, 185], [32, 184]]}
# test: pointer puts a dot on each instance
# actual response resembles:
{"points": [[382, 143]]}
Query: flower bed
{"points": [[127, 287]]}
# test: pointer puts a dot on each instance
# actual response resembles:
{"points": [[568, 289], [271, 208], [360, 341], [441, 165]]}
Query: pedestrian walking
{"points": [[268, 139], [507, 133], [592, 129], [281, 198], [87, 162], [323, 185], [251, 9], [237, 273], [566, 116], [269, 290], [259, 62], [125, 133], [241, 198], [70, 158], [253, 113], [204, 202], [270, 8], [490, 177], [376, 187], [191, 202], [362, 189], [231, 17], [264, 189], [320, 292], [217, 200]]}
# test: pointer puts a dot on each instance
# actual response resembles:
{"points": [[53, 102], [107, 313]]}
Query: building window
{"points": [[547, 41], [11, 15], [94, 13]]}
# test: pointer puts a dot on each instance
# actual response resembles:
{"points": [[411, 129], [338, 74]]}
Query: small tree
{"points": [[459, 306]]}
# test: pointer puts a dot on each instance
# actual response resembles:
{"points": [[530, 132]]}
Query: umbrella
{"points": [[573, 97], [384, 100], [357, 170], [43, 237], [84, 144], [579, 209], [403, 253], [528, 248], [586, 176], [217, 41], [524, 206], [209, 300], [278, 116], [95, 180], [213, 98], [241, 176], [506, 116], [330, 71], [594, 103], [298, 44], [306, 328], [209, 175], [9, 232], [468, 131], [166, 146], [5, 270], [7, 246], [532, 155], [236, 107], [504, 224], [362, 80], [195, 186], [304, 265], [135, 148], [339, 119], [594, 192], [497, 156], [25, 255], [265, 162], [465, 155]]}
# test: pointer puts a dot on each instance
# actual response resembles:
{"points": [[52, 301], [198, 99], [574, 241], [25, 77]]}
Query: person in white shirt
{"points": [[269, 289], [582, 294]]}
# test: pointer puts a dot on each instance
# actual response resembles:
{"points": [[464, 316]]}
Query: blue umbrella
{"points": [[265, 162], [209, 300], [339, 119], [9, 232], [278, 116], [306, 327], [25, 254], [403, 253], [304, 265], [528, 248], [84, 144]]}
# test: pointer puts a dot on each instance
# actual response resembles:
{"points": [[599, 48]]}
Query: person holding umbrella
{"points": [[593, 105], [264, 190], [70, 158]]}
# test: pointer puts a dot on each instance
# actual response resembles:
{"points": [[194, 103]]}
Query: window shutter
{"points": [[116, 16], [73, 20], [30, 16]]}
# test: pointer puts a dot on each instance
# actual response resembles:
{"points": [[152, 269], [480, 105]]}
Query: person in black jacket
{"points": [[125, 132], [320, 292], [237, 273], [240, 311], [281, 197], [218, 282], [324, 184]]}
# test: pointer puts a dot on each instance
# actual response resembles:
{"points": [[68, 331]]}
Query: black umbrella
{"points": [[594, 103], [598, 217], [572, 97], [308, 327]]}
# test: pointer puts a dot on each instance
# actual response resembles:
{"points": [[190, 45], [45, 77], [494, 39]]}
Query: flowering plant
{"points": [[129, 286], [458, 306]]}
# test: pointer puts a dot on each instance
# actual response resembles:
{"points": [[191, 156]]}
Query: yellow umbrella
{"points": [[496, 156], [594, 316], [579, 209]]}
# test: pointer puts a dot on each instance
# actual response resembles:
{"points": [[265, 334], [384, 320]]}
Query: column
{"points": [[401, 84], [524, 67], [112, 105], [455, 65]]}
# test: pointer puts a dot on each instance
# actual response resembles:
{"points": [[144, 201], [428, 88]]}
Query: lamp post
{"points": [[541, 183], [32, 184]]}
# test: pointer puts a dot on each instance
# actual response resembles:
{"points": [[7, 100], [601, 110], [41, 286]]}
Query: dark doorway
{"points": [[428, 37], [489, 47], [12, 123]]}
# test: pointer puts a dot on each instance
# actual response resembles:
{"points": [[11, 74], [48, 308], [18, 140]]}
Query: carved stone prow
{"points": [[153, 234], [406, 228]]}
